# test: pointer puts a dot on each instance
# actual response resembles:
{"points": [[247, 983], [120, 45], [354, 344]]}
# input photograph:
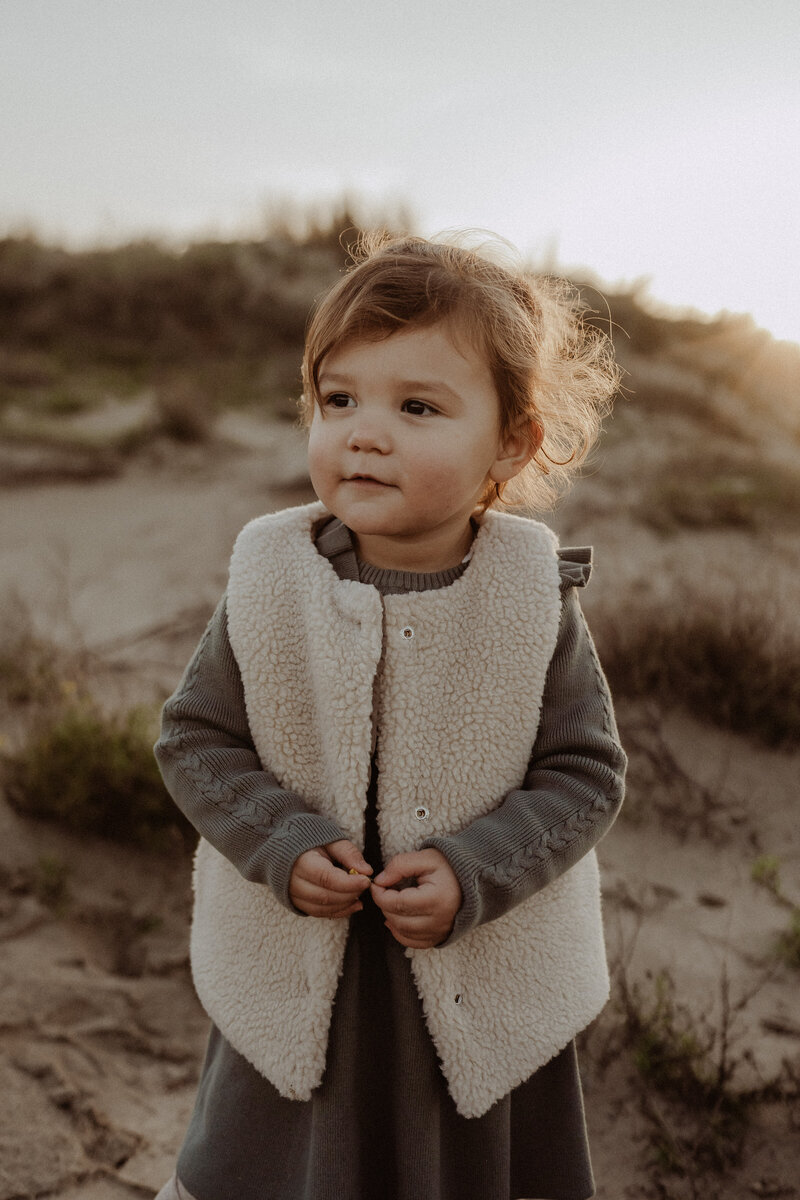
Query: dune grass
{"points": [[766, 872], [724, 660], [94, 772], [713, 491], [66, 757], [689, 1061]]}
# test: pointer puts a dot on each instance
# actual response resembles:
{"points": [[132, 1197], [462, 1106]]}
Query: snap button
{"points": [[459, 999], [422, 813], [407, 632]]}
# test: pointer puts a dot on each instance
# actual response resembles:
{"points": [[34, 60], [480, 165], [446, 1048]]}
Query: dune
{"points": [[691, 1073]]}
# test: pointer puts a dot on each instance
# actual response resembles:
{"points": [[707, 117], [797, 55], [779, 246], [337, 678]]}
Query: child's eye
{"points": [[338, 400], [418, 408]]}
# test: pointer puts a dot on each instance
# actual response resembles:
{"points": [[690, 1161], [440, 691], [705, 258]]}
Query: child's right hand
{"points": [[320, 884]]}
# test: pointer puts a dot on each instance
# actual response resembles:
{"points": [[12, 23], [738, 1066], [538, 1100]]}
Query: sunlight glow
{"points": [[634, 141]]}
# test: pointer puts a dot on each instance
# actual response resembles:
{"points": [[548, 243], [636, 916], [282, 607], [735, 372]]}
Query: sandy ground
{"points": [[101, 1036]]}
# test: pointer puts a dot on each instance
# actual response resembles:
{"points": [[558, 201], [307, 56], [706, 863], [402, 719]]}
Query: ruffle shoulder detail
{"points": [[574, 566]]}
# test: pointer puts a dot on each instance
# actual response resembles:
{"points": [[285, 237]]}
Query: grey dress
{"points": [[382, 1120]]}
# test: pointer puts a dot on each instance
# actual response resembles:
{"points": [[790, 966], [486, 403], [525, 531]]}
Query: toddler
{"points": [[398, 748]]}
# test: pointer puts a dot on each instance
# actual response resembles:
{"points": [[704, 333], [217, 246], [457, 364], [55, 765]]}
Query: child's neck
{"points": [[416, 555]]}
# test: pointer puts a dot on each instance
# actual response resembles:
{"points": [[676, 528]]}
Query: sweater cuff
{"points": [[298, 833]]}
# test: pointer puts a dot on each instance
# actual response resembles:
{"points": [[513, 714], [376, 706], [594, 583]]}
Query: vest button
{"points": [[459, 999], [407, 632], [422, 813]]}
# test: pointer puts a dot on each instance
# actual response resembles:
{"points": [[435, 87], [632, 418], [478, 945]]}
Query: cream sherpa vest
{"points": [[462, 672]]}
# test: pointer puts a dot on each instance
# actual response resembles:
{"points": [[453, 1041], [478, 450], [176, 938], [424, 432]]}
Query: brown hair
{"points": [[548, 368]]}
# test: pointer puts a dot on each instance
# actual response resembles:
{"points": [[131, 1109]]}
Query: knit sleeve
{"points": [[213, 773], [571, 793]]}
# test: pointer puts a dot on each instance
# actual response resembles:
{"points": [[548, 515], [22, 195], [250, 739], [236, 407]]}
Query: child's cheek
{"points": [[319, 468]]}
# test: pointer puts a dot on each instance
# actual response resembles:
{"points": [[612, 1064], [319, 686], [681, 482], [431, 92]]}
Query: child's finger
{"points": [[415, 942], [412, 926], [316, 868], [419, 934], [320, 902], [349, 857], [331, 913], [406, 866], [410, 902], [346, 889], [310, 893]]}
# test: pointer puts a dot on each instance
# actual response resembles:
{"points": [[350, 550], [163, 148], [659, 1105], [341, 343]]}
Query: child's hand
{"points": [[420, 916], [321, 885]]}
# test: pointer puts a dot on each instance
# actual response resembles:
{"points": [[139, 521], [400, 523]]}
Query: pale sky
{"points": [[637, 139]]}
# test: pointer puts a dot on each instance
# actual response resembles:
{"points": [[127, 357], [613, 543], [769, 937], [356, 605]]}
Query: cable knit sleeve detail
{"points": [[213, 773], [569, 798]]}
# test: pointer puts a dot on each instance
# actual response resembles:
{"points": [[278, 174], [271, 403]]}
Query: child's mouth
{"points": [[367, 479]]}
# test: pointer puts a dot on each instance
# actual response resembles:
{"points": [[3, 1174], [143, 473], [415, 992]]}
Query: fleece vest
{"points": [[451, 681]]}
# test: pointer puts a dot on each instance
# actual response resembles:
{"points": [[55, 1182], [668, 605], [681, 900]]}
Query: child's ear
{"points": [[517, 448]]}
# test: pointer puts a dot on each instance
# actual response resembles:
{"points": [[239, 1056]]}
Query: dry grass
{"points": [[72, 761], [690, 1062], [184, 411], [77, 326], [699, 490], [766, 872], [734, 661], [689, 1073], [94, 772], [658, 785]]}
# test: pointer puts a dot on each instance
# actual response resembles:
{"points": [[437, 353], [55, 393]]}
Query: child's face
{"points": [[405, 440]]}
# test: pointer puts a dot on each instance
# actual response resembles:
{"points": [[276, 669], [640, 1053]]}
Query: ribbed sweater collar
{"points": [[334, 541]]}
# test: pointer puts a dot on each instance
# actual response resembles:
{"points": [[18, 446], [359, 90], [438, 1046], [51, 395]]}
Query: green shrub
{"points": [[95, 773]]}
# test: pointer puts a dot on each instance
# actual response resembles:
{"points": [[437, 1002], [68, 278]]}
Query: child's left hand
{"points": [[421, 916]]}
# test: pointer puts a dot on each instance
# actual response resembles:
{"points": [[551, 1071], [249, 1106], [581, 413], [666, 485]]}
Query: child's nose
{"points": [[367, 433]]}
